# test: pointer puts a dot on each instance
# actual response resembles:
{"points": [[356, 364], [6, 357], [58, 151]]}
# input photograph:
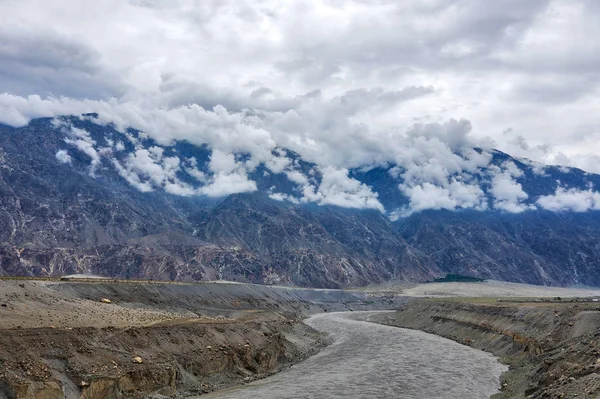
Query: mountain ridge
{"points": [[77, 199]]}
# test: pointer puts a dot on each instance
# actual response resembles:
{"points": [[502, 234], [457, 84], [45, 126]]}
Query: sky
{"points": [[345, 83]]}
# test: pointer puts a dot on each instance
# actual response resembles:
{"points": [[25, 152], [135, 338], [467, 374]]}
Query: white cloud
{"points": [[297, 177], [537, 168], [452, 196], [508, 194], [83, 141], [147, 169], [337, 188], [437, 168], [63, 156], [574, 200], [278, 164], [284, 197], [224, 183], [325, 70], [229, 176], [192, 169], [512, 169], [343, 83], [222, 162]]}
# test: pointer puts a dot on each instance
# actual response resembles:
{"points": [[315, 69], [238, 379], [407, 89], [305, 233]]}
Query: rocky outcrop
{"points": [[188, 356], [59, 338]]}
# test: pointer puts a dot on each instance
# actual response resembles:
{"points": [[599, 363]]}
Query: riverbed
{"points": [[369, 360]]}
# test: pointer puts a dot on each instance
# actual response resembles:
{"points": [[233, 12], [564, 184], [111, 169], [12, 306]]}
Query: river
{"points": [[369, 360]]}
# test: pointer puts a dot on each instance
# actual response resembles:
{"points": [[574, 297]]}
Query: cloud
{"points": [[343, 84], [230, 176], [278, 164], [574, 200], [507, 193], [132, 178], [490, 64], [191, 168], [512, 169], [454, 195], [222, 162], [63, 157], [83, 141], [228, 183], [283, 197], [437, 169], [337, 188], [148, 169], [45, 62]]}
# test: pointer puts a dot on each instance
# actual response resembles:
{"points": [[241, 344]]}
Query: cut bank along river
{"points": [[369, 360]]}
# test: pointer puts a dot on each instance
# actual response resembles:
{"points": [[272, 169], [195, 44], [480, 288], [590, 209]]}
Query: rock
{"points": [[84, 384], [50, 390], [105, 300], [137, 359]]}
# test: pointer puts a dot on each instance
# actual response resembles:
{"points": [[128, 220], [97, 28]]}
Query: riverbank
{"points": [[106, 339], [552, 349], [101, 339], [368, 360]]}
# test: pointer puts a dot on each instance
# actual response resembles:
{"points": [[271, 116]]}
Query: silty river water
{"points": [[369, 360]]}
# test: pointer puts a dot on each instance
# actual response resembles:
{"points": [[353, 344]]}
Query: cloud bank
{"points": [[344, 84], [573, 200]]}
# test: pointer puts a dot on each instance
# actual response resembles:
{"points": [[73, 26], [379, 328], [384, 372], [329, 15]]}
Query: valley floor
{"points": [[486, 289], [111, 339]]}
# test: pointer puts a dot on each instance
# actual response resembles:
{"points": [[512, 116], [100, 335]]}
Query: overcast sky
{"points": [[523, 76]]}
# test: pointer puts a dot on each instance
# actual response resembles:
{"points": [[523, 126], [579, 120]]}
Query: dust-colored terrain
{"points": [[489, 288], [552, 346], [113, 339]]}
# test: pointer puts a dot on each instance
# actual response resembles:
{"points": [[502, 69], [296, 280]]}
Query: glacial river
{"points": [[369, 360]]}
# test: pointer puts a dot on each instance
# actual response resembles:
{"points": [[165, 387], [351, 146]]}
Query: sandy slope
{"points": [[32, 304], [488, 288]]}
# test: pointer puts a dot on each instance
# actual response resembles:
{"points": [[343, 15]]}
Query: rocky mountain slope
{"points": [[81, 196]]}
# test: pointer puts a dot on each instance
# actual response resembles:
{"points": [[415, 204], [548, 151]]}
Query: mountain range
{"points": [[79, 195]]}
